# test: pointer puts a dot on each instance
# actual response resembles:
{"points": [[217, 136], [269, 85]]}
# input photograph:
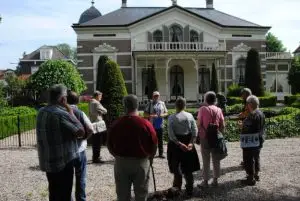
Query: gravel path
{"points": [[21, 179]]}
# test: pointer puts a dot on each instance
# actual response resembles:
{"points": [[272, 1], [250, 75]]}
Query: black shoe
{"points": [[248, 182], [256, 177], [161, 156], [98, 160], [242, 163]]}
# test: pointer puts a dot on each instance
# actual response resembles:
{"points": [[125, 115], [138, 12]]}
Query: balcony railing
{"points": [[278, 55], [179, 46]]}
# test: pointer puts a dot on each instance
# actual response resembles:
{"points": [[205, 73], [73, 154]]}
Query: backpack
{"points": [[212, 130]]}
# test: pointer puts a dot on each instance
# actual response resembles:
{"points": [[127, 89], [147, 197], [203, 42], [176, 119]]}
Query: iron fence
{"points": [[18, 131]]}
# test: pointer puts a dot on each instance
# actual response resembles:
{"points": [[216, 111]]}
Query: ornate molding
{"points": [[105, 48], [241, 48]]}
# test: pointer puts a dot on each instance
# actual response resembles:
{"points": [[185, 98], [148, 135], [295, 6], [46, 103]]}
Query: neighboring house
{"points": [[182, 44], [297, 52], [30, 63], [4, 74]]}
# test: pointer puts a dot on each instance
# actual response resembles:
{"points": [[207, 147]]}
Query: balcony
{"points": [[278, 55], [179, 46]]}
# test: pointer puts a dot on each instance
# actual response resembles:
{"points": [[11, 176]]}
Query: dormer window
{"points": [[46, 53]]}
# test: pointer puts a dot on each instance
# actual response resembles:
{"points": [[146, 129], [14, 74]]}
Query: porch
{"points": [[185, 74]]}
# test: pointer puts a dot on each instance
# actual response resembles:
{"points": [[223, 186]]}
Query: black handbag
{"points": [[221, 148]]}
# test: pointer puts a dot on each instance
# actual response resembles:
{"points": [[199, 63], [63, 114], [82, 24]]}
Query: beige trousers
{"points": [[207, 153], [128, 172]]}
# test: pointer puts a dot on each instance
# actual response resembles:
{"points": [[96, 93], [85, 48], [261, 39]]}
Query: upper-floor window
{"points": [[157, 36], [45, 54], [176, 33], [194, 36]]}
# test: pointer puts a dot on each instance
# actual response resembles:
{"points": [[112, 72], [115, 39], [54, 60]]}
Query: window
{"points": [[177, 81], [194, 37], [34, 69], [158, 37], [176, 36], [127, 73], [145, 81], [204, 80], [240, 71], [45, 54]]}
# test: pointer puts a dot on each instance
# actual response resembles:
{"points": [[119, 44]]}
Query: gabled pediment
{"points": [[105, 48], [241, 48]]}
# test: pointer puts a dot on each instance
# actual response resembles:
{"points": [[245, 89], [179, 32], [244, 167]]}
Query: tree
{"points": [[101, 67], [68, 51], [274, 44], [15, 86], [3, 101], [114, 90], [214, 85], [253, 78], [294, 75], [57, 72], [151, 81]]}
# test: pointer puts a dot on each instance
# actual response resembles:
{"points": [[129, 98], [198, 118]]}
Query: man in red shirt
{"points": [[132, 141]]}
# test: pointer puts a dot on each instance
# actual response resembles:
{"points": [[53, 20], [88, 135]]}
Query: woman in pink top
{"points": [[205, 116]]}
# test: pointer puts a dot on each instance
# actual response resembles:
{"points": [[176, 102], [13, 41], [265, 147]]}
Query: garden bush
{"points": [[84, 107], [15, 111], [234, 90], [268, 101], [289, 100], [265, 101], [234, 100], [234, 109]]}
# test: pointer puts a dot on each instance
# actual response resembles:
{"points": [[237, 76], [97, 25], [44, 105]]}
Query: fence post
{"points": [[19, 130]]}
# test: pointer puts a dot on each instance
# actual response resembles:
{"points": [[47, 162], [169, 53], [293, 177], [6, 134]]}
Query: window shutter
{"points": [[187, 33], [201, 39], [166, 34], [149, 36]]}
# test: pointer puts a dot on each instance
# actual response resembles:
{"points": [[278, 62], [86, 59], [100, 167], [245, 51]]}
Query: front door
{"points": [[176, 82]]}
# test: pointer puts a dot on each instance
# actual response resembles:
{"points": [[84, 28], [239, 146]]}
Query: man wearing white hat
{"points": [[156, 111]]}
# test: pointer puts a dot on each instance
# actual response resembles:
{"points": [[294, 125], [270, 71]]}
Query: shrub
{"points": [[234, 109], [113, 90], [234, 100], [268, 101], [101, 67], [296, 104], [15, 111], [84, 107], [9, 124], [234, 90], [253, 77], [294, 75], [289, 100], [57, 72]]}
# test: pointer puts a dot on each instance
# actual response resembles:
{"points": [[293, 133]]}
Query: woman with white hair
{"points": [[209, 113], [252, 138]]}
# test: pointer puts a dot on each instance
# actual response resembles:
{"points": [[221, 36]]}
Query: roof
{"points": [[126, 16], [89, 14], [35, 55], [297, 50], [24, 76]]}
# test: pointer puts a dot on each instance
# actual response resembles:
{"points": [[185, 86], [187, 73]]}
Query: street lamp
{"points": [[0, 19]]}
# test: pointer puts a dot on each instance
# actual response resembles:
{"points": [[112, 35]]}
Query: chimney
{"points": [[124, 3], [209, 3]]}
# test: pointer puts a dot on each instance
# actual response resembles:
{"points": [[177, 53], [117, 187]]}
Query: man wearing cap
{"points": [[156, 111]]}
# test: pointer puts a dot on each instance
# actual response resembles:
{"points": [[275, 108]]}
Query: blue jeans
{"points": [[80, 173], [61, 183]]}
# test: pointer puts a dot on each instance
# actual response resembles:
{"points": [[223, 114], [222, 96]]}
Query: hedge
{"points": [[289, 100], [84, 107], [265, 101], [279, 124], [9, 124]]}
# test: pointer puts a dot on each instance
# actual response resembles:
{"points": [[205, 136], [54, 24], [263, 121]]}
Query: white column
{"points": [[136, 75], [167, 79], [197, 80], [225, 84]]}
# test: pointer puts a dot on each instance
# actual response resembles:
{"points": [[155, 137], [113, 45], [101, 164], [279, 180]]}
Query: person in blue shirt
{"points": [[156, 111]]}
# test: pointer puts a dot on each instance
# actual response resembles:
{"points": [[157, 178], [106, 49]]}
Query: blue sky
{"points": [[29, 24]]}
